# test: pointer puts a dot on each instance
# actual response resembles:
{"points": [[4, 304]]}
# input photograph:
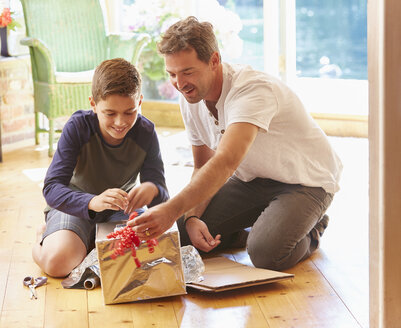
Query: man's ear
{"points": [[215, 60], [92, 104]]}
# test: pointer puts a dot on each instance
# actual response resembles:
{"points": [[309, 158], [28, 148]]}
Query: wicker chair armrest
{"points": [[43, 66]]}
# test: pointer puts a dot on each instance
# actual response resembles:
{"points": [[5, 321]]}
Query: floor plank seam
{"points": [[6, 284], [261, 310], [338, 295]]}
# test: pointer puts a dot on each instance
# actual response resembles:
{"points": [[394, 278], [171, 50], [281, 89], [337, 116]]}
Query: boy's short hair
{"points": [[115, 76], [190, 33]]}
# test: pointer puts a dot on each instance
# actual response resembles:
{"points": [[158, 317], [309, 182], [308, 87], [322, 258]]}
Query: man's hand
{"points": [[153, 222], [141, 195], [200, 235], [110, 199]]}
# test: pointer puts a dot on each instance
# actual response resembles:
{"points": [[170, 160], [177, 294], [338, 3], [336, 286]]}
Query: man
{"points": [[260, 160]]}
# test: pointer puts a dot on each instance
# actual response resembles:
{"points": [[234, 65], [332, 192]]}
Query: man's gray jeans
{"points": [[282, 217]]}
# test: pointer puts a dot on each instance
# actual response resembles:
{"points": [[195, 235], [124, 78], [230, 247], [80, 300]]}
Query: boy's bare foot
{"points": [[39, 232]]}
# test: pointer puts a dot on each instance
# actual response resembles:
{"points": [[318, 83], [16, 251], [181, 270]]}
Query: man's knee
{"points": [[269, 256], [262, 255]]}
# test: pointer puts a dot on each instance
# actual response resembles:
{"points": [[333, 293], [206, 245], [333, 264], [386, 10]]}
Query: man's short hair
{"points": [[115, 76], [190, 33]]}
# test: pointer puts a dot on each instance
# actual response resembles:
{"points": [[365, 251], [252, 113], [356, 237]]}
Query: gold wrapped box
{"points": [[160, 274]]}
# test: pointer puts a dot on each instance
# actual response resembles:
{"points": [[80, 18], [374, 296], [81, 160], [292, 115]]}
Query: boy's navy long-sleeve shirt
{"points": [[84, 165]]}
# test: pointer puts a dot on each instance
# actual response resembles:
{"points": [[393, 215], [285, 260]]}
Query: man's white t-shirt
{"points": [[289, 147]]}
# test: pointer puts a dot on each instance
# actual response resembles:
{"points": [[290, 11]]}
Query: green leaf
{"points": [[13, 25]]}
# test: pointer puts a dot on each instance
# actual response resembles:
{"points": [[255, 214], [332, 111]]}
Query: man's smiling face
{"points": [[189, 75]]}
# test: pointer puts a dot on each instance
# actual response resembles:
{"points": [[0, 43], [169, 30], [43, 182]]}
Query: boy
{"points": [[92, 177]]}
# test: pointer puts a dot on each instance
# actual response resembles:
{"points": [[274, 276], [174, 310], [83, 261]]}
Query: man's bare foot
{"points": [[39, 232]]}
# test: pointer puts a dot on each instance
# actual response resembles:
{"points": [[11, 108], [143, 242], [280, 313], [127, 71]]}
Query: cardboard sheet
{"points": [[223, 274]]}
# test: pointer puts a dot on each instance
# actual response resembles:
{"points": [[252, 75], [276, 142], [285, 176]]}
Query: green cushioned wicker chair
{"points": [[67, 40]]}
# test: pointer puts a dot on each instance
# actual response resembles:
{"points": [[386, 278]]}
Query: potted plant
{"points": [[7, 23]]}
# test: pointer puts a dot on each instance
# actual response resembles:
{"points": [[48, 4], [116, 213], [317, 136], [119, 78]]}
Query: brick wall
{"points": [[16, 100]]}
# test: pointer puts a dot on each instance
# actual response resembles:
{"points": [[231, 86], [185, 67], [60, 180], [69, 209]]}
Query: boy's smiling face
{"points": [[117, 115]]}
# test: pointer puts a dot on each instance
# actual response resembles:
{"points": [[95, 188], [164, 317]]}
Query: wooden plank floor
{"points": [[329, 290]]}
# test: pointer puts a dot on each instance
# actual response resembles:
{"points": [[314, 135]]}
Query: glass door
{"points": [[318, 47], [330, 53]]}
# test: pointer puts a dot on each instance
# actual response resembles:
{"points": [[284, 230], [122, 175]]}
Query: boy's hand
{"points": [[200, 236], [141, 195], [110, 199]]}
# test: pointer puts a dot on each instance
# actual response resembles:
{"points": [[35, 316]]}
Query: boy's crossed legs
{"points": [[59, 253]]}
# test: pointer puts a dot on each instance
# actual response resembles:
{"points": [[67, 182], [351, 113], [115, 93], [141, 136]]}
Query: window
{"points": [[318, 47], [331, 39]]}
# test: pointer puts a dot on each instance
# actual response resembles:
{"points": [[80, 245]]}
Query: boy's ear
{"points": [[92, 103], [140, 100]]}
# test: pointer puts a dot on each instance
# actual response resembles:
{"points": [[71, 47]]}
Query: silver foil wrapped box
{"points": [[160, 274]]}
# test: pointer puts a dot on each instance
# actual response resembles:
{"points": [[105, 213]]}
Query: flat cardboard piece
{"points": [[223, 274]]}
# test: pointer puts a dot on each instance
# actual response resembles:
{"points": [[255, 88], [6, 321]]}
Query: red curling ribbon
{"points": [[138, 264], [129, 240]]}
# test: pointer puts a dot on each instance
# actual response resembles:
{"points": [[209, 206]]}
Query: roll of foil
{"points": [[87, 271], [91, 282], [192, 264]]}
